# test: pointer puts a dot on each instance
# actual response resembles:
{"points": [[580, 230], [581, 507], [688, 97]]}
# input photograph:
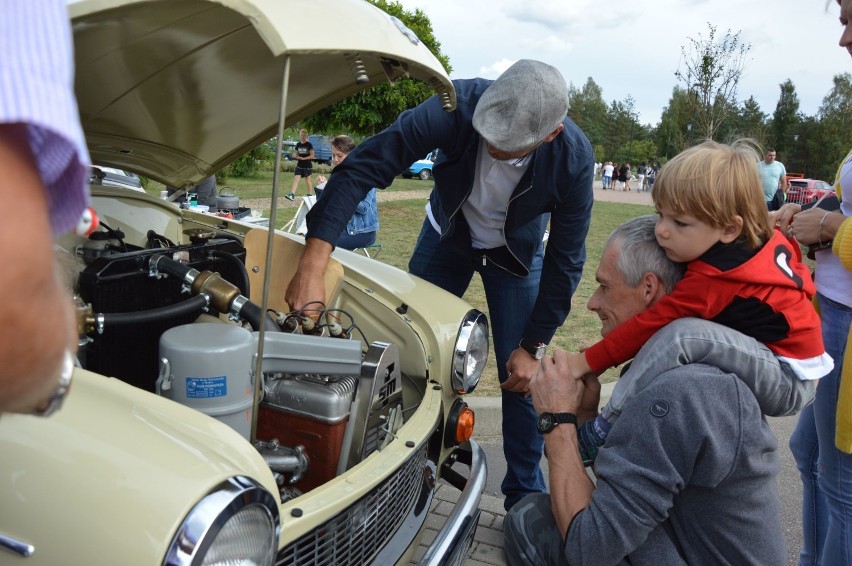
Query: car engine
{"points": [[326, 404]]}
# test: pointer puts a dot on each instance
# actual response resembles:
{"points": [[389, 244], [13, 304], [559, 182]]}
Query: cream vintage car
{"points": [[206, 423]]}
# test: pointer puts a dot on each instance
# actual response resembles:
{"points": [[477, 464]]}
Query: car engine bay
{"points": [[175, 320]]}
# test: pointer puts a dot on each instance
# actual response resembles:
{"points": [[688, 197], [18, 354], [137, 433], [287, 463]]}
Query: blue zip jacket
{"points": [[556, 187]]}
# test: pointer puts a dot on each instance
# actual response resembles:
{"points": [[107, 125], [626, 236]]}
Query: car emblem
{"points": [[412, 37]]}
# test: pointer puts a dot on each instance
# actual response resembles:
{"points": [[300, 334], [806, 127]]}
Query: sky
{"points": [[633, 47]]}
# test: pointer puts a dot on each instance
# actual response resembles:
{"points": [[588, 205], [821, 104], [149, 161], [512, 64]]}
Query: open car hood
{"points": [[176, 90]]}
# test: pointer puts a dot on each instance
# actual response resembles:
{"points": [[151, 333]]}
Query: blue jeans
{"points": [[349, 241], [510, 304], [826, 471]]}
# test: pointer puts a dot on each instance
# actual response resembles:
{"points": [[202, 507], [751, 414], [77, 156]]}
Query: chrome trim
{"points": [[204, 522], [461, 382], [458, 524], [16, 546]]}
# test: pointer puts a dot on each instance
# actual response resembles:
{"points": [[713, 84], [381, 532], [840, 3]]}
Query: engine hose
{"points": [[170, 266], [190, 306], [252, 313], [241, 269], [226, 236]]}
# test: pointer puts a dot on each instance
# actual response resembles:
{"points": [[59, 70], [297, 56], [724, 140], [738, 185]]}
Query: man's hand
{"points": [[308, 283], [554, 389], [521, 368]]}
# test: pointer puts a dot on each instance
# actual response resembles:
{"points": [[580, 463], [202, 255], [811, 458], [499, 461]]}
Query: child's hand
{"points": [[577, 364]]}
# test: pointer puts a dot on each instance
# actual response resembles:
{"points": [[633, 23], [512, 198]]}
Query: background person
{"points": [[303, 153], [362, 228], [509, 161], [606, 179], [688, 474], [205, 191], [44, 167], [773, 178]]}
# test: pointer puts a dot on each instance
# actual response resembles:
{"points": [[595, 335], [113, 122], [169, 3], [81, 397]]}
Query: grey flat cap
{"points": [[525, 104]]}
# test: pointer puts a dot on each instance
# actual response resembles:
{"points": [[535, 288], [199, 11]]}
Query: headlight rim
{"points": [[461, 383], [205, 520]]}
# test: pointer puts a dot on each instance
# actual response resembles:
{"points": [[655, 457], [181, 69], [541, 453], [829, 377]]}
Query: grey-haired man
{"points": [[688, 472], [510, 161]]}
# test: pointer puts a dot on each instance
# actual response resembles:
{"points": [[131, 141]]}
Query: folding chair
{"points": [[298, 225], [371, 251]]}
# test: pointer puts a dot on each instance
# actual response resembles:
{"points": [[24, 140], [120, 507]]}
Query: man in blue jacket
{"points": [[510, 161]]}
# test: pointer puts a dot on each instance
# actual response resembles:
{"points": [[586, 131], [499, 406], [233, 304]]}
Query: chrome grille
{"points": [[356, 534]]}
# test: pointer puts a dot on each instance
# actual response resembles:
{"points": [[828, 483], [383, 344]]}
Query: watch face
{"points": [[545, 422], [539, 352]]}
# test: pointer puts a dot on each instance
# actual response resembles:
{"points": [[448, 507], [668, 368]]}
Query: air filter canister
{"points": [[208, 367]]}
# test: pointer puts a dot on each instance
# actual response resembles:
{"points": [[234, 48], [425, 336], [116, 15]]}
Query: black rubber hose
{"points": [[252, 313], [227, 236], [190, 306], [241, 269], [170, 266]]}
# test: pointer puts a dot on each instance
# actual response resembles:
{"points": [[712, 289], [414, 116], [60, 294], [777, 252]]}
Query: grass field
{"points": [[401, 221]]}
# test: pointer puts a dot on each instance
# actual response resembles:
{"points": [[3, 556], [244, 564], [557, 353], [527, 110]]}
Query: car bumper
{"points": [[453, 541]]}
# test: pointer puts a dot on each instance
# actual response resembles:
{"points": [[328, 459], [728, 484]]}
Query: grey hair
{"points": [[641, 254]]}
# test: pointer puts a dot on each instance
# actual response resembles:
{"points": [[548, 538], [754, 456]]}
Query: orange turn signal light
{"points": [[464, 425]]}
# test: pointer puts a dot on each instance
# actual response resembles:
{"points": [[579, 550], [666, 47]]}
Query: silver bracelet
{"points": [[821, 222], [58, 395]]}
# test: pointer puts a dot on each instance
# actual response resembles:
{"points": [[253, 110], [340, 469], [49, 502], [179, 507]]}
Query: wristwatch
{"points": [[548, 421], [535, 350], [54, 402]]}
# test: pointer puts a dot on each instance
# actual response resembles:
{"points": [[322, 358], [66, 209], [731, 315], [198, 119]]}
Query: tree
{"points": [[586, 107], [834, 134], [749, 122], [785, 121], [711, 73], [372, 110], [672, 135]]}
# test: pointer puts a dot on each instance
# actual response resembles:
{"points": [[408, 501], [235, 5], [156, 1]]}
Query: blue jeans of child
{"points": [[826, 471], [510, 303]]}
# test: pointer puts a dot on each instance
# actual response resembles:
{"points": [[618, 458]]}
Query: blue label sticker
{"points": [[206, 387]]}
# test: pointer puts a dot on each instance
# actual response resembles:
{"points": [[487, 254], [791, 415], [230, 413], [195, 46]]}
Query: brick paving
{"points": [[487, 545]]}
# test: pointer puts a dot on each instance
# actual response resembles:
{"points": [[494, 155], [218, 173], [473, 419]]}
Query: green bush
{"points": [[250, 165]]}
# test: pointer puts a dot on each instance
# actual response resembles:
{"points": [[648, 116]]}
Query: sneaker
{"points": [[290, 196]]}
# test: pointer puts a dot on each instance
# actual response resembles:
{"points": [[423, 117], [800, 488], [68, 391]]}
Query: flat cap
{"points": [[525, 104]]}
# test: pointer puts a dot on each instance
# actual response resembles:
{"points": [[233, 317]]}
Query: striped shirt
{"points": [[37, 89]]}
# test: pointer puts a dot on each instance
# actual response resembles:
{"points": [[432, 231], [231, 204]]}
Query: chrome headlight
{"points": [[236, 523], [471, 352]]}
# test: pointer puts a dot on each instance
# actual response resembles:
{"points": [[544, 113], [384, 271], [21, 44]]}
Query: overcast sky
{"points": [[633, 47]]}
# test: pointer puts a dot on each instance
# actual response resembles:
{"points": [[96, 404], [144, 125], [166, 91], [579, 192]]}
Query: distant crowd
{"points": [[618, 177]]}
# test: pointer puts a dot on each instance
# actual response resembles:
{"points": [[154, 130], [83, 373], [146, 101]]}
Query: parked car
{"points": [[422, 167], [208, 422], [287, 149], [322, 148], [803, 191]]}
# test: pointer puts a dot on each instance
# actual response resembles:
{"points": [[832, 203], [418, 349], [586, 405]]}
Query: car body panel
{"points": [[107, 475]]}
